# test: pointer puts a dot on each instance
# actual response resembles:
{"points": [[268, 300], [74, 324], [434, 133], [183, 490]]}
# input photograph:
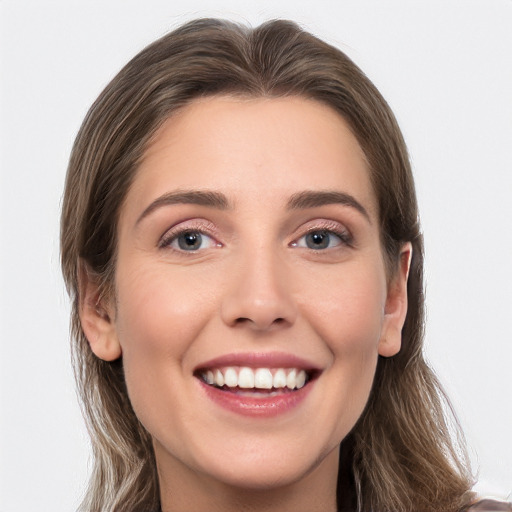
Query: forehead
{"points": [[253, 147]]}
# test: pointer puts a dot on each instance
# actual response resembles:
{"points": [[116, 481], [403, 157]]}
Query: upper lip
{"points": [[259, 360]]}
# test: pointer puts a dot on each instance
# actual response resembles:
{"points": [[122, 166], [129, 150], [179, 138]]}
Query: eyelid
{"points": [[336, 228], [202, 226]]}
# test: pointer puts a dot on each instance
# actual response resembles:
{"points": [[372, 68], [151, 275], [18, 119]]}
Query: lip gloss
{"points": [[268, 405]]}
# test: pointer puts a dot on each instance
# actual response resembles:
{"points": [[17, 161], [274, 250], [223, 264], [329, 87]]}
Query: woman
{"points": [[240, 239]]}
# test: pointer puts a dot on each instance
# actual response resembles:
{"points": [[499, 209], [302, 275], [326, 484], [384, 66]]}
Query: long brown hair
{"points": [[406, 452]]}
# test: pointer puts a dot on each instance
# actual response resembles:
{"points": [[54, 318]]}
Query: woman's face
{"points": [[249, 254]]}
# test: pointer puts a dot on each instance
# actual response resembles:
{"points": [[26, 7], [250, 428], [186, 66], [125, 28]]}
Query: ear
{"points": [[395, 309], [97, 317]]}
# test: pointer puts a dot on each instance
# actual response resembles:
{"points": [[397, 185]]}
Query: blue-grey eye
{"points": [[190, 240], [319, 239]]}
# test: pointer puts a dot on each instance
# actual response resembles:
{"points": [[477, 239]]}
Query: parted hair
{"points": [[406, 453]]}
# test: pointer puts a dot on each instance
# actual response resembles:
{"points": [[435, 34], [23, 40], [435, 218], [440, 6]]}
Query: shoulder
{"points": [[487, 505]]}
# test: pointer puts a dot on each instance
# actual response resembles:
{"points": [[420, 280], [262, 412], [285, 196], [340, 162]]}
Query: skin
{"points": [[253, 285]]}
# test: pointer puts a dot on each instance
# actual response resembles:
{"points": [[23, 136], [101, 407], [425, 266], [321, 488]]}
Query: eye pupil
{"points": [[190, 241], [317, 240]]}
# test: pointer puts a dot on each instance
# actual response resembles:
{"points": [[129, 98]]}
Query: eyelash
{"points": [[206, 228], [330, 228], [202, 228]]}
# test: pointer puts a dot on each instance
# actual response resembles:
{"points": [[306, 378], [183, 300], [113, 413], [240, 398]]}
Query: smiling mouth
{"points": [[256, 381]]}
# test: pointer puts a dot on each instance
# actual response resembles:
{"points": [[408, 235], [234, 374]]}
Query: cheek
{"points": [[348, 314], [160, 312], [158, 317]]}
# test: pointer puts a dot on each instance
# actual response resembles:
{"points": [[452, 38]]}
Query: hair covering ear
{"points": [[96, 318], [396, 306]]}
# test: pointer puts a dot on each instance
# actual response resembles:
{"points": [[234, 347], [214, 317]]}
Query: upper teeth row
{"points": [[259, 378]]}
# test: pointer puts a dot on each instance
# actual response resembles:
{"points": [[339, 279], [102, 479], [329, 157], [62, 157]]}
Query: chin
{"points": [[266, 469], [260, 477]]}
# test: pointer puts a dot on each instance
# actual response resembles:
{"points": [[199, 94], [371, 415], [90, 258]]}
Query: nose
{"points": [[260, 294]]}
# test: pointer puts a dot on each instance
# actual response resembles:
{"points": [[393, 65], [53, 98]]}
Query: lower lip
{"points": [[264, 407]]}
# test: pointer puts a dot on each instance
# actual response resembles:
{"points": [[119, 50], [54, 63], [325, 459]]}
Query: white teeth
{"points": [[280, 379], [231, 378], [219, 378], [290, 379], [246, 378], [259, 378], [300, 380], [263, 378]]}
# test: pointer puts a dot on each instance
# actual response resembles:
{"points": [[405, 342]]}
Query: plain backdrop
{"points": [[445, 66]]}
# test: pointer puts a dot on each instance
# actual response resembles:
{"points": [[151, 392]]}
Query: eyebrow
{"points": [[298, 201], [202, 198], [314, 199]]}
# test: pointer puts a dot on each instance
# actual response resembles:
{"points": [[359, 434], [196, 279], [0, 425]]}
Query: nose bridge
{"points": [[259, 294]]}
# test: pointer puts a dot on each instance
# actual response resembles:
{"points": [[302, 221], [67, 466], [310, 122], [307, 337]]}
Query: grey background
{"points": [[445, 67]]}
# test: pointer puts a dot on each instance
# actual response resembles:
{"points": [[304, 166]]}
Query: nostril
{"points": [[259, 323]]}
